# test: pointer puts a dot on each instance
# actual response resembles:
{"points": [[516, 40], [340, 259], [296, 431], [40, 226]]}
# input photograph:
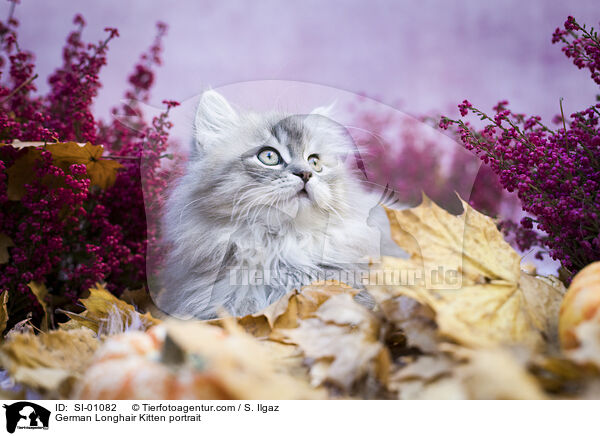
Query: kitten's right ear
{"points": [[213, 116]]}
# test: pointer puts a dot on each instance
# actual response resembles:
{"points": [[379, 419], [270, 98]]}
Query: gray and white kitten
{"points": [[267, 204]]}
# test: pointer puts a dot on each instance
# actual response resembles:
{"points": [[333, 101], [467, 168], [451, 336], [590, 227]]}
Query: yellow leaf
{"points": [[469, 243], [3, 311], [5, 243], [487, 301], [105, 313], [40, 292], [20, 173], [49, 360], [102, 172]]}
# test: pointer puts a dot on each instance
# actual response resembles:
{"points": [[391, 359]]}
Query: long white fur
{"points": [[235, 227]]}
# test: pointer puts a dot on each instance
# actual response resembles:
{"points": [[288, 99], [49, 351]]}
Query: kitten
{"points": [[267, 204]]}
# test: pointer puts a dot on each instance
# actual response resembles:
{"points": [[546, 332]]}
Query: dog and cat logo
{"points": [[26, 415]]}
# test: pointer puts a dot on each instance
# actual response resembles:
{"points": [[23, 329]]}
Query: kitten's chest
{"points": [[279, 249]]}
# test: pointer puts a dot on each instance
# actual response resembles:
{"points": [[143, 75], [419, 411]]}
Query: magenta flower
{"points": [[555, 172], [66, 233]]}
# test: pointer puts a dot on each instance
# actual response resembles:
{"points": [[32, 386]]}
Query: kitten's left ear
{"points": [[326, 111], [214, 115]]}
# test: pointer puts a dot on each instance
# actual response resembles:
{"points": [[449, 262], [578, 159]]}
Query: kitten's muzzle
{"points": [[304, 175]]}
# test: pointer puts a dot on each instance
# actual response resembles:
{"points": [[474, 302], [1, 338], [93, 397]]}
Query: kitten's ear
{"points": [[326, 111], [214, 115]]}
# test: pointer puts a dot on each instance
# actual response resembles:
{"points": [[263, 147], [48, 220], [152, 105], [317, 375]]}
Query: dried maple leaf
{"points": [[412, 320], [48, 361], [469, 276], [294, 306], [105, 313], [559, 375], [342, 343], [102, 172], [469, 243], [21, 173], [462, 373]]}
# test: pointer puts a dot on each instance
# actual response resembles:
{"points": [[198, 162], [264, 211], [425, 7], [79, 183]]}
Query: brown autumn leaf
{"points": [[5, 244], [294, 306], [496, 374], [414, 321], [462, 373], [469, 276], [20, 173], [557, 374], [141, 300], [40, 292], [105, 313], [102, 172], [48, 361], [342, 342], [3, 311]]}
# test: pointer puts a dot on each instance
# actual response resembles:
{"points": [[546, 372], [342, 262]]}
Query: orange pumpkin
{"points": [[581, 303], [128, 367]]}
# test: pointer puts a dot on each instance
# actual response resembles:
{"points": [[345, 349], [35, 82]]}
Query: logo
{"points": [[26, 415]]}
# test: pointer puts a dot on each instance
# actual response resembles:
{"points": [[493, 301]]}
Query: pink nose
{"points": [[304, 175]]}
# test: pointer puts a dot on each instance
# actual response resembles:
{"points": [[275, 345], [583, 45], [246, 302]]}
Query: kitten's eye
{"points": [[269, 156], [315, 162]]}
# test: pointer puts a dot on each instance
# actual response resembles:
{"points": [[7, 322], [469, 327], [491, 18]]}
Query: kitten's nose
{"points": [[304, 175]]}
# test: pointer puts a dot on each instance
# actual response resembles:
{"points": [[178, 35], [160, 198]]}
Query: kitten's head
{"points": [[270, 168]]}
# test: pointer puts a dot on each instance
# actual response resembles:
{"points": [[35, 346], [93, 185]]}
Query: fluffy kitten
{"points": [[266, 197]]}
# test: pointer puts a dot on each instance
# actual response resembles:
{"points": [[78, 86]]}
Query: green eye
{"points": [[315, 162], [269, 156]]}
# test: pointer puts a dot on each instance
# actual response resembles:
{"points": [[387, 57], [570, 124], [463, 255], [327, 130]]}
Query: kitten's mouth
{"points": [[303, 193]]}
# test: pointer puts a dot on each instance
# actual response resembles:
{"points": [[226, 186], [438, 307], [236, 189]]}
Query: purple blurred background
{"points": [[422, 57]]}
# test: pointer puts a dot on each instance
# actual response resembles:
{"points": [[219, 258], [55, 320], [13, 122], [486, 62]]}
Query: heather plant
{"points": [[555, 171], [403, 153], [72, 214]]}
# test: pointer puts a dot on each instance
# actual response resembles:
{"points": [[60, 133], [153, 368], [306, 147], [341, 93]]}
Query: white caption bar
{"points": [[301, 417]]}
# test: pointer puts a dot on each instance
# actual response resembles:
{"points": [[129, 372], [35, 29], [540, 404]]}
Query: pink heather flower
{"points": [[556, 173], [581, 45], [86, 235], [464, 107], [445, 123]]}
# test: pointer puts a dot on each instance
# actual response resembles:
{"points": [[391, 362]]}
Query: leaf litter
{"points": [[458, 319]]}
